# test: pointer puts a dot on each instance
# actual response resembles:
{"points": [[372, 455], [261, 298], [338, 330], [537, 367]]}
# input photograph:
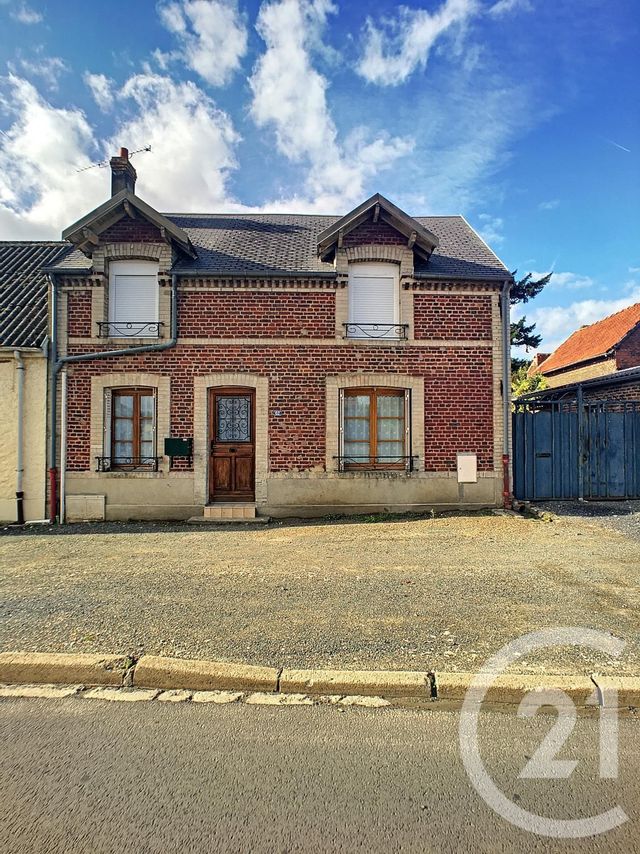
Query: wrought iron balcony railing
{"points": [[127, 463], [392, 331], [130, 329], [376, 462]]}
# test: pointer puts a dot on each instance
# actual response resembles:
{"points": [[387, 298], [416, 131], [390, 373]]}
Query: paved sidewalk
{"points": [[412, 594]]}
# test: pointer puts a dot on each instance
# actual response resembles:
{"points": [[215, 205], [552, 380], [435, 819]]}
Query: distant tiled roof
{"points": [[594, 340], [285, 244], [23, 291]]}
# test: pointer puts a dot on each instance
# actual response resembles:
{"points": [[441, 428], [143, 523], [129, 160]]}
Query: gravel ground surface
{"points": [[407, 594], [623, 516]]}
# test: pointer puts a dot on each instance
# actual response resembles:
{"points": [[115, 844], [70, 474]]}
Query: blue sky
{"points": [[523, 115]]}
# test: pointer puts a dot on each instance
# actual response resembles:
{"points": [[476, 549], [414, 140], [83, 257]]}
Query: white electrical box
{"points": [[467, 468]]}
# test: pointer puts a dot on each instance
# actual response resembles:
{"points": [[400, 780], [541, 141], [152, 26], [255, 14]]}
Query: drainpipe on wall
{"points": [[20, 439], [63, 445], [506, 391], [57, 364]]}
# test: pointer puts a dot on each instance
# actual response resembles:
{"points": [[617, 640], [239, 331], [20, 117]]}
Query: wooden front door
{"points": [[232, 444]]}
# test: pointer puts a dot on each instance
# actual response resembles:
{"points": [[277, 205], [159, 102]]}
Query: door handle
{"points": [[232, 450]]}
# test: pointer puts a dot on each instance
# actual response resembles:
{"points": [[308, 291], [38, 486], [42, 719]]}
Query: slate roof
{"points": [[23, 291], [594, 340], [285, 244]]}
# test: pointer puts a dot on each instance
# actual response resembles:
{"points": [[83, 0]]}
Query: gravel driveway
{"points": [[623, 516], [410, 594]]}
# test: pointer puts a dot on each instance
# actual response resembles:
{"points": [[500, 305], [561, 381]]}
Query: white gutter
{"points": [[20, 439]]}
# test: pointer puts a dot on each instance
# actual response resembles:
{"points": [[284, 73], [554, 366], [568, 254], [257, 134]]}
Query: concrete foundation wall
{"points": [[171, 496]]}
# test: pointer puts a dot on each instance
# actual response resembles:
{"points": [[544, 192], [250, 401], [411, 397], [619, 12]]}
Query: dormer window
{"points": [[133, 300], [374, 302]]}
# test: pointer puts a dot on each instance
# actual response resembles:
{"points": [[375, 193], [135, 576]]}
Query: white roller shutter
{"points": [[373, 296], [133, 295]]}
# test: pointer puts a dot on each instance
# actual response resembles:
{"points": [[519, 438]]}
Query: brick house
{"points": [[601, 349], [281, 364]]}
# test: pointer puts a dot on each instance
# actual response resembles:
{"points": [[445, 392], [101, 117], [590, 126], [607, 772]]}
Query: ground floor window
{"points": [[130, 440], [374, 429]]}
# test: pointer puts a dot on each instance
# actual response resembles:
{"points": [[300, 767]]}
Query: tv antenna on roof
{"points": [[101, 164]]}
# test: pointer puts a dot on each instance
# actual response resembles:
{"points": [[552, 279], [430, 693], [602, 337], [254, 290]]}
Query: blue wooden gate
{"points": [[569, 449]]}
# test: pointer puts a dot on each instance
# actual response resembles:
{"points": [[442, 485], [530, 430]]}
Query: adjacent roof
{"points": [[24, 291], [591, 342]]}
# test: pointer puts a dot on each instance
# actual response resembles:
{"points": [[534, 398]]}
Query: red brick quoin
{"points": [[458, 395]]}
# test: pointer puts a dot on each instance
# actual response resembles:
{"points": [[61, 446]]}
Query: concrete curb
{"points": [[62, 668], [366, 683], [513, 687], [153, 671], [157, 672]]}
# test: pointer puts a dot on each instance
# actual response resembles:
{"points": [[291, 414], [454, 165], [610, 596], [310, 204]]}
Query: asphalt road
{"points": [[82, 775]]}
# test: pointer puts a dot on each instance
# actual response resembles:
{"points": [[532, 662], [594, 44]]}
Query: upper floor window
{"points": [[133, 300], [374, 302]]}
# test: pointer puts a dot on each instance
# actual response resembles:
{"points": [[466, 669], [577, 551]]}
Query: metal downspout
{"points": [[506, 392], [20, 438], [58, 363], [63, 446]]}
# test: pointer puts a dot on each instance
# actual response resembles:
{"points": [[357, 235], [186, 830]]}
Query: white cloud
{"points": [[101, 88], [192, 144], [289, 95], [26, 15], [490, 228], [211, 34], [41, 191], [48, 68], [556, 323], [550, 205], [634, 269], [396, 47], [503, 7], [566, 280]]}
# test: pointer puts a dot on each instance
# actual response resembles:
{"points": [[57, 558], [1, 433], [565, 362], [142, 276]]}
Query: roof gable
{"points": [[85, 233], [593, 341], [378, 208]]}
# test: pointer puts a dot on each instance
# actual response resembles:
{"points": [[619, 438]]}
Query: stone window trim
{"points": [[162, 388], [399, 255], [333, 384], [159, 253], [201, 386]]}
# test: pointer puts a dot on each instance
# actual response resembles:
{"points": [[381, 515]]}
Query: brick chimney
{"points": [[123, 175], [537, 360]]}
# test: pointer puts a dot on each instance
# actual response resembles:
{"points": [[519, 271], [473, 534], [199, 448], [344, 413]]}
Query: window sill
{"points": [[385, 474]]}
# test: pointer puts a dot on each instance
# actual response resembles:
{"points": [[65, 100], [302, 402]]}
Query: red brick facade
{"points": [[131, 231], [257, 314], [457, 389], [628, 353], [374, 233], [79, 313], [460, 317]]}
